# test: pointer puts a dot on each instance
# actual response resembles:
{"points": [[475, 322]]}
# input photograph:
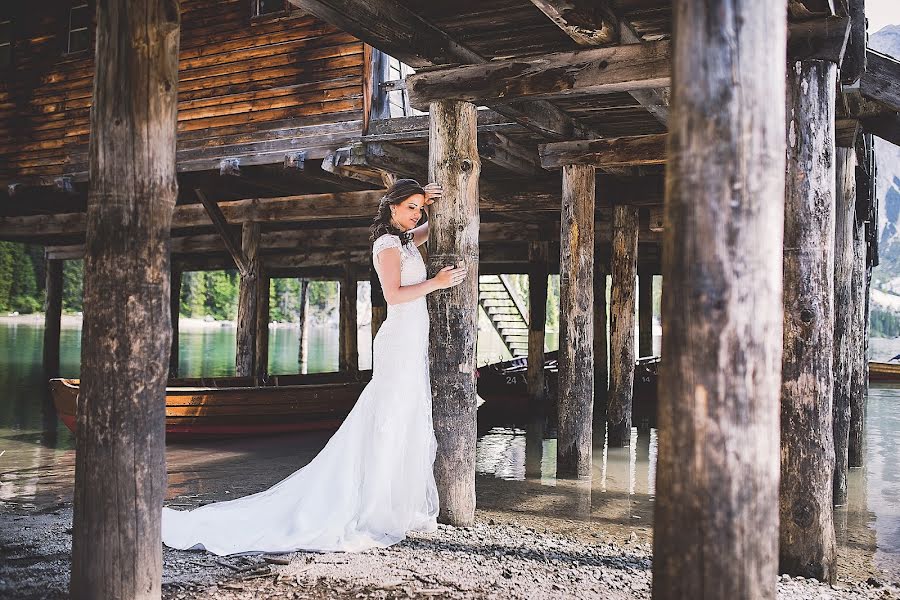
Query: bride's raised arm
{"points": [[433, 191]]}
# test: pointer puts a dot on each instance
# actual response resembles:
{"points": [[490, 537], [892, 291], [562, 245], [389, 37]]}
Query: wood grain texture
{"points": [[844, 311], [576, 319], [120, 475], [807, 542], [348, 356], [859, 382], [622, 304], [538, 255], [52, 318], [453, 239], [629, 151], [881, 81], [601, 340], [716, 516], [248, 298], [174, 312]]}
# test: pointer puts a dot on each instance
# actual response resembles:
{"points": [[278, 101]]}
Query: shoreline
{"points": [[74, 321]]}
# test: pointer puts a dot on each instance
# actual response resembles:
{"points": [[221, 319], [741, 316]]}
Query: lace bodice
{"points": [[412, 267]]}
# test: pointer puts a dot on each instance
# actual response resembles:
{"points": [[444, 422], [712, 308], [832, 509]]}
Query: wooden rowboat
{"points": [[882, 371]]}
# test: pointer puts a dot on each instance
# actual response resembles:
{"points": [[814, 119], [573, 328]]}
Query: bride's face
{"points": [[408, 213]]}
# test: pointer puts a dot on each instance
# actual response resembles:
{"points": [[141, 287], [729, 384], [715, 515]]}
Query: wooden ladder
{"points": [[505, 312]]}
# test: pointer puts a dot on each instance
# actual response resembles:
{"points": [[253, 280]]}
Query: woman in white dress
{"points": [[373, 480]]}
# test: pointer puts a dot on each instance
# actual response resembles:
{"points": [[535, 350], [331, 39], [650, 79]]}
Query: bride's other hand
{"points": [[450, 276], [433, 191]]}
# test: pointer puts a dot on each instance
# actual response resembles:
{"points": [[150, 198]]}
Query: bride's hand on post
{"points": [[433, 191], [450, 276]]}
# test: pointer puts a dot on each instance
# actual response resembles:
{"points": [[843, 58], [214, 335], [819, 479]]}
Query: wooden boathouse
{"points": [[724, 145]]}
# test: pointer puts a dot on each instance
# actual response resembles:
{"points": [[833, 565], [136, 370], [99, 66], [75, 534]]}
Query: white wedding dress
{"points": [[371, 483]]}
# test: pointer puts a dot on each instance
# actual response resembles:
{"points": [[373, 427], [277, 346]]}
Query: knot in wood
{"points": [[465, 165], [807, 315]]}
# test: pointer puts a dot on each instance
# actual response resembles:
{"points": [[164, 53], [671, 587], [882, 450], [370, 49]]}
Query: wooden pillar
{"points": [[715, 532], [248, 297], [303, 333], [844, 249], [53, 317], [576, 323], [622, 305], [645, 313], [538, 254], [261, 349], [807, 543], [601, 342], [859, 374], [453, 162], [348, 357], [379, 304], [120, 475], [174, 311]]}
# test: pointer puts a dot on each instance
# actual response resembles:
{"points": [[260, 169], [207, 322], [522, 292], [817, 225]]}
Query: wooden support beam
{"points": [[303, 333], [174, 312], [404, 129], [807, 542], [854, 64], [508, 154], [348, 356], [261, 348], [538, 256], [120, 474], [859, 361], [881, 80], [587, 23], [885, 126], [397, 160], [622, 308], [52, 318], [218, 219], [608, 152], [248, 299], [576, 335], [645, 313], [722, 305], [592, 71], [453, 239], [844, 253], [818, 39], [601, 340]]}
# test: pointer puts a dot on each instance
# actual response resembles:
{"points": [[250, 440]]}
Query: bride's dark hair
{"points": [[397, 193]]}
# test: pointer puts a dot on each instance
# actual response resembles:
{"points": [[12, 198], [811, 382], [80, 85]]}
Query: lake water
{"points": [[515, 469]]}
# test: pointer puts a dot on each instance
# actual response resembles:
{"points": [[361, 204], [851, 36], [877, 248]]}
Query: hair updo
{"points": [[397, 193]]}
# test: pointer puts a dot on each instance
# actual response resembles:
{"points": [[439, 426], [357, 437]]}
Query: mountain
{"points": [[886, 276]]}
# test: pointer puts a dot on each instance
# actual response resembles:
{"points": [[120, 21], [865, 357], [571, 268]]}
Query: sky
{"points": [[881, 13]]}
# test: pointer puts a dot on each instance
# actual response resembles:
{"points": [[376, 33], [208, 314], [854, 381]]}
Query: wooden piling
{"points": [[844, 252], [303, 334], [120, 475], [859, 374], [645, 314], [248, 298], [52, 318], [348, 357], [601, 343], [716, 520], [622, 305], [453, 162], [261, 347], [538, 255], [807, 543], [174, 311], [576, 323]]}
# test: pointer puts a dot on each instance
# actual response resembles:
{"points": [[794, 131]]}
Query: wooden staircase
{"points": [[505, 312]]}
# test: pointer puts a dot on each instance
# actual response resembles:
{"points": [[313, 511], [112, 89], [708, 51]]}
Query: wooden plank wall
{"points": [[247, 87]]}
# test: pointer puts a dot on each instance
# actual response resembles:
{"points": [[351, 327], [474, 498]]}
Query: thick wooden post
{"points": [[845, 211], [261, 348], [576, 323], [248, 298], [453, 162], [645, 314], [174, 311], [538, 254], [716, 518], [379, 304], [302, 334], [807, 544], [622, 305], [859, 381], [120, 475], [601, 342], [53, 317], [348, 357]]}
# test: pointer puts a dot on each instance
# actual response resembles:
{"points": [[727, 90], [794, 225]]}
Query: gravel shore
{"points": [[497, 560]]}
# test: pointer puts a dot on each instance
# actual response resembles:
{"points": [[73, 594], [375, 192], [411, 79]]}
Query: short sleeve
{"points": [[385, 241]]}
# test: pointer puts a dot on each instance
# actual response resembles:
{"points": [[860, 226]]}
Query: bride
{"points": [[373, 480]]}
